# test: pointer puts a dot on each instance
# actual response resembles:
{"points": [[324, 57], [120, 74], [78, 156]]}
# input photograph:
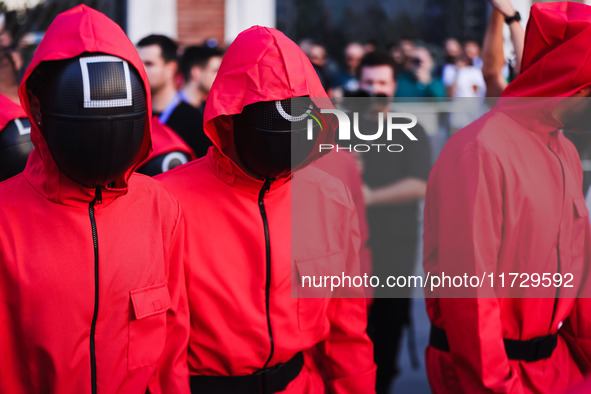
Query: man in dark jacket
{"points": [[158, 53]]}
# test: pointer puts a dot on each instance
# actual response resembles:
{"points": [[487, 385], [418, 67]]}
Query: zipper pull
{"points": [[267, 185], [98, 195], [264, 189]]}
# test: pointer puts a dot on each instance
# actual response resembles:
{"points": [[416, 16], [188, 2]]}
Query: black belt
{"points": [[534, 349], [266, 381]]}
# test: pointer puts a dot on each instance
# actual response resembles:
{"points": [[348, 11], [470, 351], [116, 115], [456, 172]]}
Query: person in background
{"points": [[354, 51], [8, 76], [419, 81], [12, 48], [403, 53], [159, 55], [468, 81], [493, 56], [452, 51], [327, 70], [92, 286], [467, 91], [199, 65], [472, 50], [318, 58], [15, 129], [393, 185]]}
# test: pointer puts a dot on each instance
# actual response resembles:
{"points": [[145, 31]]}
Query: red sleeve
{"points": [[577, 333], [172, 374], [345, 358], [577, 328], [355, 185], [466, 217]]}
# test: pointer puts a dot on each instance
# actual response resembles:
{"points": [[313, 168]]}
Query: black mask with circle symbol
{"points": [[15, 147], [274, 137]]}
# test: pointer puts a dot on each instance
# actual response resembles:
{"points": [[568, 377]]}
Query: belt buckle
{"points": [[263, 371], [263, 374], [274, 379], [544, 346], [538, 348]]}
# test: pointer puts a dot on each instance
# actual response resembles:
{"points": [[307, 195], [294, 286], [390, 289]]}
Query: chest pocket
{"points": [[579, 234], [314, 288], [147, 325], [581, 210]]}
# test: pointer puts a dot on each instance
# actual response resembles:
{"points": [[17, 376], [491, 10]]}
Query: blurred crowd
{"points": [[181, 78], [454, 70]]}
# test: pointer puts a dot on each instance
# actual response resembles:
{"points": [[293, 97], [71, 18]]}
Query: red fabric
{"points": [[583, 388], [165, 140], [226, 262], [243, 79], [506, 196], [556, 52], [344, 166], [9, 111], [47, 262]]}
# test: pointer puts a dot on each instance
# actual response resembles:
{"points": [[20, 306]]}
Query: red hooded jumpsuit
{"points": [[240, 264], [92, 296], [11, 162], [165, 142], [506, 195]]}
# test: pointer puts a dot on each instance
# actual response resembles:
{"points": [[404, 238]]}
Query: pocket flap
{"points": [[331, 264], [314, 275], [150, 300], [581, 207]]}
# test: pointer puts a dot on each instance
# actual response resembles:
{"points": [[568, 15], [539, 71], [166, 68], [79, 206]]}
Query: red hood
{"points": [[262, 64], [9, 111], [78, 30], [555, 64], [165, 140], [556, 54]]}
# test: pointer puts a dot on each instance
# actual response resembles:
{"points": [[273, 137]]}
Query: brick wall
{"points": [[200, 19]]}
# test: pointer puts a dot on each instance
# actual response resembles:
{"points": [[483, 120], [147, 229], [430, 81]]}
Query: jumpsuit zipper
{"points": [[263, 212], [97, 200], [558, 268]]}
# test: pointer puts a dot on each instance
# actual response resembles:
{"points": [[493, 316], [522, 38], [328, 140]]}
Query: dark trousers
{"points": [[388, 317]]}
